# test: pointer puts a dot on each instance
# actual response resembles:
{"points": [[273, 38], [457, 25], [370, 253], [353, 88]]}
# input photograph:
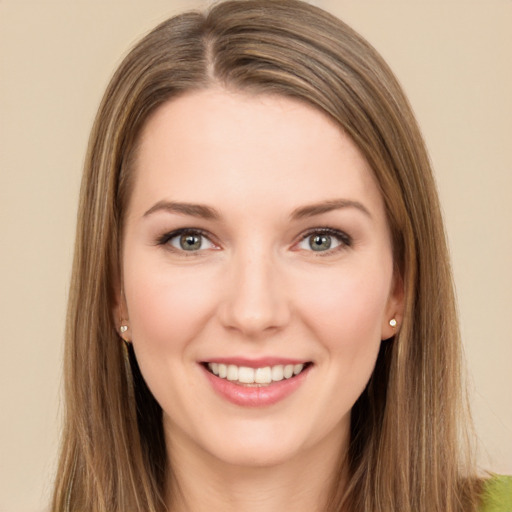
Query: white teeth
{"points": [[232, 372], [277, 373], [263, 375], [246, 375]]}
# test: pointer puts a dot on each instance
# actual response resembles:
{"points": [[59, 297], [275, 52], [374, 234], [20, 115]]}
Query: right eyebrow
{"points": [[194, 210], [327, 206]]}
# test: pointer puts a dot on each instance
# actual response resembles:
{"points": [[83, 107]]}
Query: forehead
{"points": [[215, 145]]}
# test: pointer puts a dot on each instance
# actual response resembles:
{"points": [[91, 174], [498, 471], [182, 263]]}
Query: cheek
{"points": [[167, 309], [343, 310], [346, 309], [167, 306]]}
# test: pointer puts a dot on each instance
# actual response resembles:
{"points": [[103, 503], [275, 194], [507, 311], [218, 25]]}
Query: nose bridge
{"points": [[255, 301]]}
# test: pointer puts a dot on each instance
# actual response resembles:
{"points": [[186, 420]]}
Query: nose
{"points": [[254, 299]]}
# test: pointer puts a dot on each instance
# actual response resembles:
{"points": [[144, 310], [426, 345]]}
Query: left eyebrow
{"points": [[194, 210], [328, 206]]}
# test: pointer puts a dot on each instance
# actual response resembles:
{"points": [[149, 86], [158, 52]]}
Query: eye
{"points": [[324, 240], [188, 240]]}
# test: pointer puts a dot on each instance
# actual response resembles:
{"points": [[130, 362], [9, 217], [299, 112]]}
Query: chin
{"points": [[264, 444], [267, 454]]}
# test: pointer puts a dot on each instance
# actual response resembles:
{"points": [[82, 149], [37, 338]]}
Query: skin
{"points": [[254, 288]]}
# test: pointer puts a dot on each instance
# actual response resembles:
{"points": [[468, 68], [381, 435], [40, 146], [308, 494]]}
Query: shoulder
{"points": [[497, 494]]}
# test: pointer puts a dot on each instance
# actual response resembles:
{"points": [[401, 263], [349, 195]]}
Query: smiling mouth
{"points": [[255, 377]]}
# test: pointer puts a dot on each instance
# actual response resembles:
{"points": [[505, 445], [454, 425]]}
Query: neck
{"points": [[200, 482]]}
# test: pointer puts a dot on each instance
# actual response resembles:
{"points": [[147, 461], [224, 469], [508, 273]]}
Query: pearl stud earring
{"points": [[392, 322], [123, 328]]}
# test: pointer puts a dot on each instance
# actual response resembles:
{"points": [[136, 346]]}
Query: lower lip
{"points": [[257, 396]]}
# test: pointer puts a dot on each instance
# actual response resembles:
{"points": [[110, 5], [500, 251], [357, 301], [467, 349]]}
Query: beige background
{"points": [[454, 60]]}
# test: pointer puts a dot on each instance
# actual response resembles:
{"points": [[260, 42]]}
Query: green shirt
{"points": [[497, 494]]}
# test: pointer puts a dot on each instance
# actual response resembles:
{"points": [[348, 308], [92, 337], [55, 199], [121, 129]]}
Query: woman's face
{"points": [[257, 275]]}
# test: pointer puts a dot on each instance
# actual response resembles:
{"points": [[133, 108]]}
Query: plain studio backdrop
{"points": [[453, 58]]}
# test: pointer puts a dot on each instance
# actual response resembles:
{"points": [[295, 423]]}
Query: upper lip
{"points": [[260, 362]]}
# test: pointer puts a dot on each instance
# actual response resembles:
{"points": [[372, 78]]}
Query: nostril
{"points": [[253, 302], [253, 319]]}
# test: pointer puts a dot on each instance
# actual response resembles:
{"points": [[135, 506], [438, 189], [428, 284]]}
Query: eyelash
{"points": [[165, 238], [344, 239]]}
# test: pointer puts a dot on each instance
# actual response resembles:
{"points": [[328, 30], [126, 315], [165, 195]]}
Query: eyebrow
{"points": [[207, 212], [194, 210], [328, 206]]}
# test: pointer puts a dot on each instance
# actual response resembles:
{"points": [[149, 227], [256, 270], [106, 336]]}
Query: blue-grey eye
{"points": [[190, 241], [322, 242]]}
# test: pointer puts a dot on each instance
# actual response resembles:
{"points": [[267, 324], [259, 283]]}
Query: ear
{"points": [[394, 309], [120, 314]]}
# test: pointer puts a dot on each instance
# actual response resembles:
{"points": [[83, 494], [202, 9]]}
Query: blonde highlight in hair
{"points": [[408, 443]]}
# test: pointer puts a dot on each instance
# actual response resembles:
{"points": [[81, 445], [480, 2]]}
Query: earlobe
{"points": [[120, 316], [124, 332], [394, 311], [390, 328]]}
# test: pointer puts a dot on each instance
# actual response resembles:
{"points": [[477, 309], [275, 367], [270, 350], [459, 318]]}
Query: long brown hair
{"points": [[408, 437]]}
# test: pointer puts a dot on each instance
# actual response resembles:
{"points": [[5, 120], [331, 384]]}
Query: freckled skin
{"points": [[255, 288]]}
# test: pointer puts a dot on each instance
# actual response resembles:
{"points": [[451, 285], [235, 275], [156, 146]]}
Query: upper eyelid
{"points": [[343, 236], [345, 241], [169, 235]]}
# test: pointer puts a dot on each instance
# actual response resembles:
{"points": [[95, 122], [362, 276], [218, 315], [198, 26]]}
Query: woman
{"points": [[261, 311]]}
